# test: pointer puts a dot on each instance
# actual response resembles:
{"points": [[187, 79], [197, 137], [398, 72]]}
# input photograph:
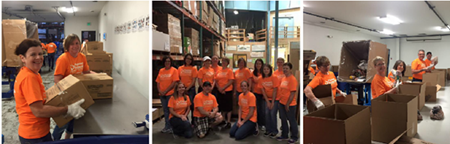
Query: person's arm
{"points": [[239, 114], [159, 89], [200, 82], [172, 85], [203, 112], [265, 95], [215, 110], [309, 94], [228, 84], [174, 113], [57, 78], [192, 83], [250, 82], [391, 91], [250, 114], [291, 97], [44, 111], [187, 111], [274, 96], [417, 71]]}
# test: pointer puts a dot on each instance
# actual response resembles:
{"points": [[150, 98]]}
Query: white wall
{"points": [[131, 51], [77, 24], [409, 50]]}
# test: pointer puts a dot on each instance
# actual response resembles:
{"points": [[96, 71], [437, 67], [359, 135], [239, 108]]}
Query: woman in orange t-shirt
{"points": [[399, 68], [71, 62], [380, 83], [269, 84], [224, 84], [166, 80], [29, 93], [260, 102], [188, 76], [288, 105], [240, 75], [179, 107], [206, 73], [247, 117]]}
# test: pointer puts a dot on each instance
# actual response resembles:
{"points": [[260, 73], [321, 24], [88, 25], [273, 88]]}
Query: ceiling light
{"points": [[442, 28], [390, 19], [386, 31], [236, 12], [69, 9]]}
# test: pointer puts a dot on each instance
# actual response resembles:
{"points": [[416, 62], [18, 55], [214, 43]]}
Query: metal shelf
{"points": [[216, 10]]}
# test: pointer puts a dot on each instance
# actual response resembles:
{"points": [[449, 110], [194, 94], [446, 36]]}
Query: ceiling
{"points": [[44, 11], [417, 17]]}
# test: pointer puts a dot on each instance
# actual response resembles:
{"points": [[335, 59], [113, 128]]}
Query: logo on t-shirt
{"points": [[209, 73], [186, 72], [76, 68], [267, 84], [280, 76], [240, 75], [222, 74], [284, 83], [181, 104], [330, 81], [165, 76], [208, 103], [244, 101]]}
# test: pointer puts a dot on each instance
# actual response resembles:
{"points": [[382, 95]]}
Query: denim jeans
{"points": [[58, 131], [165, 104], [51, 60], [288, 116], [46, 138], [416, 80], [242, 132], [260, 108], [271, 118], [181, 128]]}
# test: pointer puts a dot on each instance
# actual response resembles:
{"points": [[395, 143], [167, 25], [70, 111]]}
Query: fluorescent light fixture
{"points": [[69, 9], [236, 12], [442, 28], [390, 19], [386, 31]]}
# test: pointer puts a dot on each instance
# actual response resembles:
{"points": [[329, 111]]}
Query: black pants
{"points": [[51, 60], [416, 80], [46, 138], [181, 128]]}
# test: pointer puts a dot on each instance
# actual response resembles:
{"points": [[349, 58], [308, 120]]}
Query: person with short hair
{"points": [[247, 117], [288, 105], [179, 107], [206, 116], [205, 74], [428, 61], [166, 81], [380, 83], [224, 79], [419, 67], [51, 50]]}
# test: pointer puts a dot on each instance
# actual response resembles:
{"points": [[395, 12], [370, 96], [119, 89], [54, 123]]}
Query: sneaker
{"points": [[263, 128], [228, 125], [266, 134], [291, 141], [166, 131], [256, 133], [282, 139], [273, 135]]}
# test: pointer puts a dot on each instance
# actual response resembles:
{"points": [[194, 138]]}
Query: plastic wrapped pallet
{"points": [[14, 32]]}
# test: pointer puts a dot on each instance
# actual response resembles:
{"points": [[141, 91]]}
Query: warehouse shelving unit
{"points": [[236, 35]]}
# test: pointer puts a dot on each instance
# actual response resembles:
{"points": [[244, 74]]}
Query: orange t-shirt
{"points": [[279, 75], [29, 89], [391, 77], [43, 46], [187, 73], [418, 64], [216, 69], [51, 47], [167, 77], [223, 76], [428, 63], [245, 102], [67, 65], [179, 105], [288, 85], [380, 85], [269, 84], [206, 74], [240, 75], [322, 79], [208, 103], [312, 70]]}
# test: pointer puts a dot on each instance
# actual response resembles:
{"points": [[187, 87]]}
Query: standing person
{"points": [[269, 85], [205, 74], [70, 63], [44, 48], [215, 65], [51, 49], [260, 102], [241, 74], [288, 104], [280, 75], [188, 76], [224, 79], [247, 117], [419, 67], [399, 69], [179, 107], [428, 61], [29, 93], [323, 77], [166, 80], [380, 83], [206, 115]]}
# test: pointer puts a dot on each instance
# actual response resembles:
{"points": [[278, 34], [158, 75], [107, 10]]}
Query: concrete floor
{"points": [[219, 137]]}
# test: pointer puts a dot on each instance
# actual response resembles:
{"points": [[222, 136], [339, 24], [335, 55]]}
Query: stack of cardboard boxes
{"points": [[14, 32], [170, 25], [98, 60], [192, 35]]}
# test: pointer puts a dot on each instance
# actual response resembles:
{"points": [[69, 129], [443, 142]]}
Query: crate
{"points": [[236, 35]]}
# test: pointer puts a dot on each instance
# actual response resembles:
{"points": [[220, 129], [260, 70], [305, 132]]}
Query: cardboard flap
{"points": [[398, 137], [438, 87], [97, 76], [323, 91]]}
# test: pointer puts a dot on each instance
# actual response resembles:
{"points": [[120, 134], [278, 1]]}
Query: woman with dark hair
{"points": [[288, 105], [269, 84], [398, 70], [188, 76], [179, 107], [260, 102], [240, 75], [246, 124], [224, 84], [29, 93], [166, 80]]}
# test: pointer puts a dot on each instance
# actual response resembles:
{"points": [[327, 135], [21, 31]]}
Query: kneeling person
{"points": [[246, 124], [205, 111], [179, 107]]}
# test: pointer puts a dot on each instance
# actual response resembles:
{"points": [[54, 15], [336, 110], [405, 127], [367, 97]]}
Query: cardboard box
{"points": [[325, 94], [442, 76], [205, 11], [408, 71], [14, 32], [349, 99], [415, 89], [67, 91], [338, 124], [193, 35], [160, 41], [334, 68], [99, 86], [431, 79], [100, 63], [94, 47], [353, 52], [431, 93], [170, 25], [392, 115]]}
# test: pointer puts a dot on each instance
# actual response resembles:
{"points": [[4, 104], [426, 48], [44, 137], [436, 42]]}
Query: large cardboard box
{"points": [[338, 124], [67, 91], [353, 52], [392, 115], [100, 63], [160, 41], [205, 11], [415, 89], [442, 76], [349, 99], [408, 71], [169, 24], [14, 32], [94, 47], [193, 35], [325, 94], [431, 79], [99, 86], [431, 93]]}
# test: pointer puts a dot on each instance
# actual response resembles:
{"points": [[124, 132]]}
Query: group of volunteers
{"points": [[29, 91], [260, 95], [380, 83]]}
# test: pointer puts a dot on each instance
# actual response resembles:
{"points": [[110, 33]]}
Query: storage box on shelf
{"points": [[261, 35], [193, 35], [169, 24]]}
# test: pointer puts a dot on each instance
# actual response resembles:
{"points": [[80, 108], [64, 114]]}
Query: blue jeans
{"points": [[288, 116], [416, 80], [46, 138], [271, 118], [57, 132], [242, 132], [165, 104], [51, 60], [181, 128], [260, 108]]}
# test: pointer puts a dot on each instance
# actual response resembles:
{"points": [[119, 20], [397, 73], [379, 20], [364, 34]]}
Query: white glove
{"points": [[319, 104], [75, 110]]}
